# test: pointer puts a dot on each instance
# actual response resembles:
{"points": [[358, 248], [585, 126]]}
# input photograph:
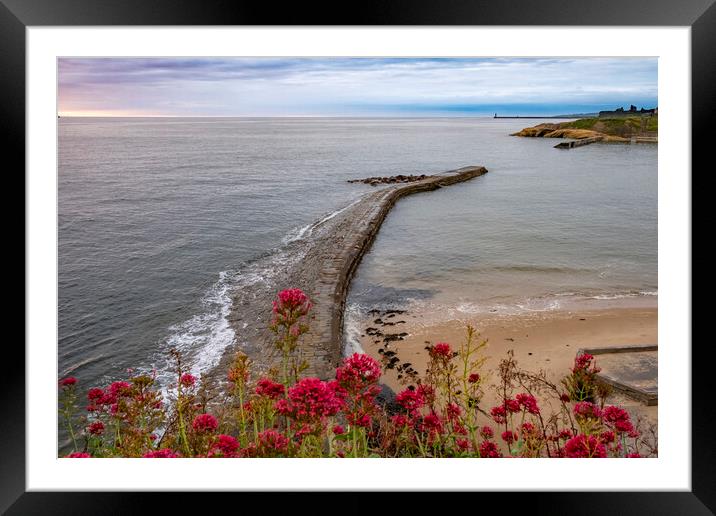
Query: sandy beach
{"points": [[548, 341]]}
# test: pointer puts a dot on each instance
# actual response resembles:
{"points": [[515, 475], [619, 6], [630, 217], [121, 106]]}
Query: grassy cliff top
{"points": [[612, 129]]}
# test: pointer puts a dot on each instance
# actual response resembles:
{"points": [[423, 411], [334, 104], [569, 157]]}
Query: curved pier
{"points": [[321, 263]]}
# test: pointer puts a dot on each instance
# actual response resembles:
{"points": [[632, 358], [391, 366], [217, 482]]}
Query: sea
{"points": [[160, 219]]}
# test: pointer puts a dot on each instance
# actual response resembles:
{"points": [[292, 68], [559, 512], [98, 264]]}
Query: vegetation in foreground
{"points": [[282, 414]]}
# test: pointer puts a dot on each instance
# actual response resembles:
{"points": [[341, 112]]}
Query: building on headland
{"points": [[633, 111]]}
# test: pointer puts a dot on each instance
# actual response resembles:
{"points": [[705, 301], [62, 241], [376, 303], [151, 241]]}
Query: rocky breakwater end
{"points": [[321, 263], [375, 181]]}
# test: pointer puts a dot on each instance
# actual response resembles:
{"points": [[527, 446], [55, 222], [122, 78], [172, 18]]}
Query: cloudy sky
{"points": [[352, 86]]}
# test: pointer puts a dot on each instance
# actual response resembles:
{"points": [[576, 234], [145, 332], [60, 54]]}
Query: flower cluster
{"points": [[286, 415]]}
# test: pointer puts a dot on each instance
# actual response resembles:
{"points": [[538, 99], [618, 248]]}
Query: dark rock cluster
{"points": [[389, 357], [374, 181]]}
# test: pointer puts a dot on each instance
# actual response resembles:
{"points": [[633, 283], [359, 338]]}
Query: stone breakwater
{"points": [[321, 263]]}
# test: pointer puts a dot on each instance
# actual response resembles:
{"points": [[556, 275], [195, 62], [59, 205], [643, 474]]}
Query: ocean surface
{"points": [[158, 219]]}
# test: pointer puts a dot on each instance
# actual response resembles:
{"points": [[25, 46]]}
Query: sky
{"points": [[352, 86]]}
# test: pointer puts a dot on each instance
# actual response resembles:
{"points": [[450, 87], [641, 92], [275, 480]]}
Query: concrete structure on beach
{"points": [[321, 263]]}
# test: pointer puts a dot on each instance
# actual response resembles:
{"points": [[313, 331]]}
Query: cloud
{"points": [[346, 86]]}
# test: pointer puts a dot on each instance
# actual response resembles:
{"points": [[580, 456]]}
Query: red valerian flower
{"points": [[453, 410], [462, 444], [399, 420], [410, 400], [508, 437], [583, 446], [96, 428], [583, 361], [272, 442], [224, 446], [587, 410], [566, 434], [607, 437], [267, 387], [310, 400], [339, 430], [187, 380], [617, 418], [488, 449], [432, 423], [79, 455], [205, 423], [487, 432], [68, 382], [95, 394], [115, 391], [528, 402], [163, 453], [441, 350], [473, 378], [634, 455], [498, 414], [512, 405], [358, 372], [292, 299]]}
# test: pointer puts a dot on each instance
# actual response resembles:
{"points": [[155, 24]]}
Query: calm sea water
{"points": [[160, 218]]}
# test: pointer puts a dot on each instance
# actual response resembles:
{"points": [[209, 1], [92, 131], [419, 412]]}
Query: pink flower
{"points": [[410, 400], [473, 378], [487, 432], [432, 423], [587, 410], [617, 418], [205, 423], [399, 420], [68, 382], [462, 444], [498, 414], [362, 420], [634, 455], [163, 453], [607, 437], [310, 400], [269, 388], [528, 429], [508, 437], [583, 361], [273, 442], [453, 410], [512, 405], [441, 350], [528, 402], [357, 372], [583, 446], [95, 394], [488, 449], [565, 434], [79, 455], [96, 428], [187, 380], [291, 300], [338, 430], [224, 446]]}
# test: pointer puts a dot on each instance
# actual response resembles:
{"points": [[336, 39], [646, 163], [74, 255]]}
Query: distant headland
{"points": [[632, 126]]}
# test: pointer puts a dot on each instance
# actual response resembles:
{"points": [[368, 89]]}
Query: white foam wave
{"points": [[351, 329], [202, 338]]}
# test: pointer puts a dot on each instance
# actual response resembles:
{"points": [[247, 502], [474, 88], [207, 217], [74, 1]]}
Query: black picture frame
{"points": [[17, 15]]}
